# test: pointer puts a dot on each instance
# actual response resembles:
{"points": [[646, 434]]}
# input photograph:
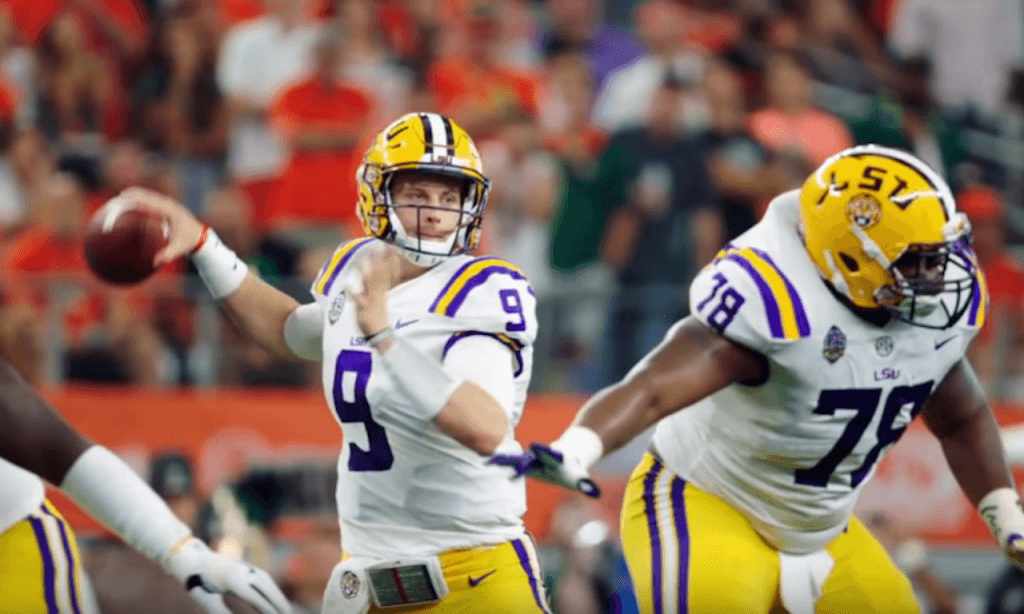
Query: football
{"points": [[122, 239]]}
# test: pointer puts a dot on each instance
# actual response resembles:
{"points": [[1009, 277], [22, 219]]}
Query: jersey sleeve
{"points": [[744, 296], [489, 295], [326, 280]]}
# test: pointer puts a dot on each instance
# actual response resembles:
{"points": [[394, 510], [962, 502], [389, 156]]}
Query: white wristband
{"points": [[1001, 511], [115, 495], [419, 376], [581, 443], [220, 268]]}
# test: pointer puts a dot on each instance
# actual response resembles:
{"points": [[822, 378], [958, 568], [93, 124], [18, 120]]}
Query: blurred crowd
{"points": [[627, 141]]}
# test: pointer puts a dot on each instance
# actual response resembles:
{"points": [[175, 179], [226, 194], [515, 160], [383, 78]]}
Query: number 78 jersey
{"points": [[405, 488], [792, 452]]}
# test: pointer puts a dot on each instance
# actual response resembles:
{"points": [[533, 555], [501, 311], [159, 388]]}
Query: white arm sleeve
{"points": [[304, 331], [488, 364], [115, 495]]}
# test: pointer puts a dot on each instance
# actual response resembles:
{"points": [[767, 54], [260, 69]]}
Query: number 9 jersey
{"points": [[405, 488], [792, 452]]}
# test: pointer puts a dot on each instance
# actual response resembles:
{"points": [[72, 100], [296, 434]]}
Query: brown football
{"points": [[122, 239]]}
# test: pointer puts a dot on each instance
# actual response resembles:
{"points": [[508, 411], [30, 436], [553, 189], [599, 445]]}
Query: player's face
{"points": [[428, 206], [926, 269]]}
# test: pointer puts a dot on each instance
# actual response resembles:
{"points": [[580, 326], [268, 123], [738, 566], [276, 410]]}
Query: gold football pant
{"points": [[505, 579], [40, 568], [691, 553]]}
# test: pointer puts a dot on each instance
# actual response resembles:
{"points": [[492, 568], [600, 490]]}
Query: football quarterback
{"points": [[813, 340], [427, 354], [41, 567]]}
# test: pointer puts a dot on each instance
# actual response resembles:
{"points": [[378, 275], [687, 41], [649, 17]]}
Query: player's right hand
{"points": [[551, 465], [185, 229], [207, 575]]}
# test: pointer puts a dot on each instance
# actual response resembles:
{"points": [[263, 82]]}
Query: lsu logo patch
{"points": [[835, 345], [337, 305], [864, 211], [349, 585]]}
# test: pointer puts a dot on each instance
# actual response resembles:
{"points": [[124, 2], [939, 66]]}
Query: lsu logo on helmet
{"points": [[882, 228], [427, 143]]}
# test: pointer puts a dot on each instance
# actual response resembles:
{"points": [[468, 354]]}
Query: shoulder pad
{"points": [[745, 296], [490, 295], [331, 269]]}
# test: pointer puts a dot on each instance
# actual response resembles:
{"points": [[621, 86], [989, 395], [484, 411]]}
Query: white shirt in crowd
{"points": [[257, 60]]}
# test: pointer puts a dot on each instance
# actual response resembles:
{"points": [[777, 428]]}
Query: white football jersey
{"points": [[405, 488], [21, 492], [793, 452]]}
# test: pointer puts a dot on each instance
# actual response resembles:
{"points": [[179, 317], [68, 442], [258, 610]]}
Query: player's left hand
{"points": [[551, 465], [207, 575], [379, 274]]}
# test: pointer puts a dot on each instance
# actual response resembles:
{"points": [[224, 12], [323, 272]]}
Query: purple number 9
{"points": [[357, 409], [513, 305]]}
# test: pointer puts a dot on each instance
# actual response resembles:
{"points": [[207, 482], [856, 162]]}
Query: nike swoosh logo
{"points": [[474, 581], [942, 343], [401, 324]]}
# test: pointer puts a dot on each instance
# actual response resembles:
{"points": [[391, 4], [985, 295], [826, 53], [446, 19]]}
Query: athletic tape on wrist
{"points": [[220, 268], [1001, 511]]}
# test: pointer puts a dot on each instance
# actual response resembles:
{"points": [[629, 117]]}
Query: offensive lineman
{"points": [[426, 360], [814, 339], [40, 568]]}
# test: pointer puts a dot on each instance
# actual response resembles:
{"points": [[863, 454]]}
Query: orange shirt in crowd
{"points": [[32, 17], [319, 185], [816, 134], [457, 83], [236, 11]]}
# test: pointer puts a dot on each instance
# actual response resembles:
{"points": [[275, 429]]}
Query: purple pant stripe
{"points": [[683, 536], [524, 560], [66, 543], [652, 526], [49, 575]]}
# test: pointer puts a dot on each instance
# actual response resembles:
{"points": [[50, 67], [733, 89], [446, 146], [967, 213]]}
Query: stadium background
{"points": [[626, 140]]}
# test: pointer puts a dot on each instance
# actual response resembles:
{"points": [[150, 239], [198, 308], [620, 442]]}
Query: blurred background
{"points": [[627, 140]]}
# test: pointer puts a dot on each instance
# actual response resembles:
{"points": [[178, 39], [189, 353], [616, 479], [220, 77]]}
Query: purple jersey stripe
{"points": [[524, 560], [344, 260], [454, 278], [683, 536], [508, 342], [72, 567], [477, 280], [802, 324], [774, 317], [49, 584], [652, 528]]}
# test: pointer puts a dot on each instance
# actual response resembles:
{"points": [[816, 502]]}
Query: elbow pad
{"points": [[304, 331]]}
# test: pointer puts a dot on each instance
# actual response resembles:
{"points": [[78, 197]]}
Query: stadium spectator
{"points": [[911, 555], [574, 317], [31, 161], [664, 229], [841, 50], [22, 343], [973, 44], [790, 125], [365, 62], [323, 121], [627, 96], [257, 59], [18, 65], [189, 112], [997, 353], [914, 121], [523, 191], [577, 23], [74, 98], [12, 195], [740, 169], [474, 88]]}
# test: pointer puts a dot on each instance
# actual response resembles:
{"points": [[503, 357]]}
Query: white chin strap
{"points": [[421, 252]]}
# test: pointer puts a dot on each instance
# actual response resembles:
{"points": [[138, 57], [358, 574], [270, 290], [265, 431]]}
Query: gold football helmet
{"points": [[427, 143], [883, 230]]}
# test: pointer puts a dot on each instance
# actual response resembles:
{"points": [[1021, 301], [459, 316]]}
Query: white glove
{"points": [[1002, 512], [206, 575], [564, 463]]}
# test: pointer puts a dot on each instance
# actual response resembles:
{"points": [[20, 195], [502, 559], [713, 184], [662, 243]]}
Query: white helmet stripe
{"points": [[437, 133]]}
